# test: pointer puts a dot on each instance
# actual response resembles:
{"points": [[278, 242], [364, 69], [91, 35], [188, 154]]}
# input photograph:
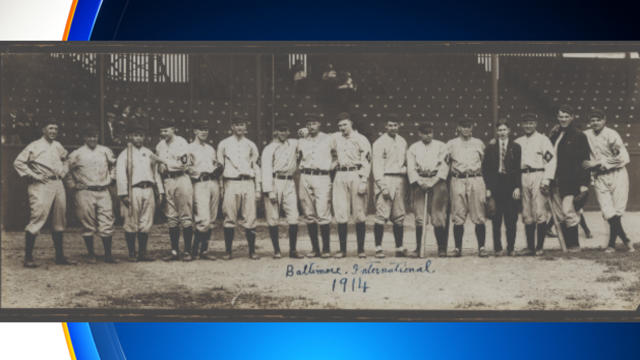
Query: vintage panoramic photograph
{"points": [[419, 176]]}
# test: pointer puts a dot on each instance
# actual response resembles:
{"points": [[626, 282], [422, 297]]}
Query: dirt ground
{"points": [[590, 280]]}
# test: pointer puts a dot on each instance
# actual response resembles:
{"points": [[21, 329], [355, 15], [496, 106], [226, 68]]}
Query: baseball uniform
{"points": [[429, 162], [46, 159], [389, 167], [90, 173], [314, 188], [537, 170], [179, 193], [468, 191], [610, 179], [279, 162], [241, 183], [353, 154], [206, 193]]}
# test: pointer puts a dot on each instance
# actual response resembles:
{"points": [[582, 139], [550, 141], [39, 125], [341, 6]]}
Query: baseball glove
{"points": [[217, 172], [490, 207], [580, 199]]}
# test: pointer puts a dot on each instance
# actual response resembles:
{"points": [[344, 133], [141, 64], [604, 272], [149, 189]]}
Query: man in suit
{"points": [[501, 172], [570, 179]]}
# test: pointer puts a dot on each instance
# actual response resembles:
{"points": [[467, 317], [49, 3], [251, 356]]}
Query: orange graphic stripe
{"points": [[65, 328], [67, 27]]}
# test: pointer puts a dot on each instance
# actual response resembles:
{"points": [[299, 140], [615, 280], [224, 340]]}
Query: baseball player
{"points": [[43, 164], [468, 191], [204, 174], [315, 152], [537, 172], [570, 178], [241, 185], [173, 150], [353, 154], [428, 170], [138, 207], [608, 160], [389, 166], [90, 174], [502, 176], [279, 163]]}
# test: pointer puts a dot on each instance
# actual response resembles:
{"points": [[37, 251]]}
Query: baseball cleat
{"points": [[110, 260], [609, 250], [499, 253], [313, 254], [172, 257], [65, 261], [205, 256], [340, 255], [414, 254], [442, 253], [574, 249], [401, 253], [525, 252], [132, 259], [456, 253], [277, 256], [295, 255], [186, 257], [91, 259], [30, 264], [325, 255], [254, 257], [227, 257], [511, 253], [629, 246], [362, 255], [539, 252], [380, 254]]}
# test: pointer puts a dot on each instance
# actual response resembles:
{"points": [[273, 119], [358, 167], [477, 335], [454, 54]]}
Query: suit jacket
{"points": [[572, 150], [491, 167]]}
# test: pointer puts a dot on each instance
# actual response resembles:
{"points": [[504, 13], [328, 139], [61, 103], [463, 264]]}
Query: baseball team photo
{"points": [[364, 176]]}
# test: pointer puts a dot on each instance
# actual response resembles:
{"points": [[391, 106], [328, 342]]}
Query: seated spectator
{"points": [[345, 92], [330, 73], [299, 77]]}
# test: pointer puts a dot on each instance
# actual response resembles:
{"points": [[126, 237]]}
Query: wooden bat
{"points": [[425, 223], [132, 213], [563, 244]]}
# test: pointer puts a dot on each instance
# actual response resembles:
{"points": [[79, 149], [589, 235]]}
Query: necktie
{"points": [[503, 151]]}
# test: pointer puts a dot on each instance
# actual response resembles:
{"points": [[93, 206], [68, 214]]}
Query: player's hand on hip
{"points": [[385, 194], [516, 194], [38, 178], [80, 186], [362, 187], [583, 189], [488, 193], [272, 197]]}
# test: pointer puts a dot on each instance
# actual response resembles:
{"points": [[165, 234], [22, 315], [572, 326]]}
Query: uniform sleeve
{"points": [[443, 162], [72, 163], [517, 172], [121, 174], [254, 157], [220, 154], [377, 162], [481, 149], [403, 169], [111, 161], [21, 163], [365, 158], [412, 167], [157, 177], [267, 168], [621, 155]]}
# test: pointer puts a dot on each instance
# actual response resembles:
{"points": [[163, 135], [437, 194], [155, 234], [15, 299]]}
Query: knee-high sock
{"points": [[29, 243], [228, 240], [541, 231], [187, 233], [106, 243], [620, 230], [441, 237], [325, 233], [251, 240], [613, 232], [142, 244], [88, 242], [530, 231], [458, 233], [583, 224], [418, 238], [378, 232], [131, 243], [312, 229], [174, 237], [481, 233], [57, 244], [360, 234], [342, 237], [273, 233], [293, 237], [197, 239], [398, 234]]}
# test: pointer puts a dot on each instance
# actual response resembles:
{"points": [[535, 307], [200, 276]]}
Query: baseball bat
{"points": [[563, 244], [425, 222]]}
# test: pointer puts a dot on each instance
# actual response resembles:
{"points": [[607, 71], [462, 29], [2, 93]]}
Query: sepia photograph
{"points": [[306, 176]]}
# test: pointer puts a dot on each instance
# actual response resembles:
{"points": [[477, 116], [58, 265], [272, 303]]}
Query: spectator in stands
{"points": [[299, 77], [346, 91], [330, 73]]}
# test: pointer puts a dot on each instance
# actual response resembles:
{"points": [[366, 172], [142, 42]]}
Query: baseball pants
{"points": [[206, 198], [612, 192], [179, 205], [534, 202], [286, 200], [239, 198], [315, 196], [45, 198], [144, 206], [95, 212], [437, 207], [346, 200], [392, 208], [468, 197]]}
